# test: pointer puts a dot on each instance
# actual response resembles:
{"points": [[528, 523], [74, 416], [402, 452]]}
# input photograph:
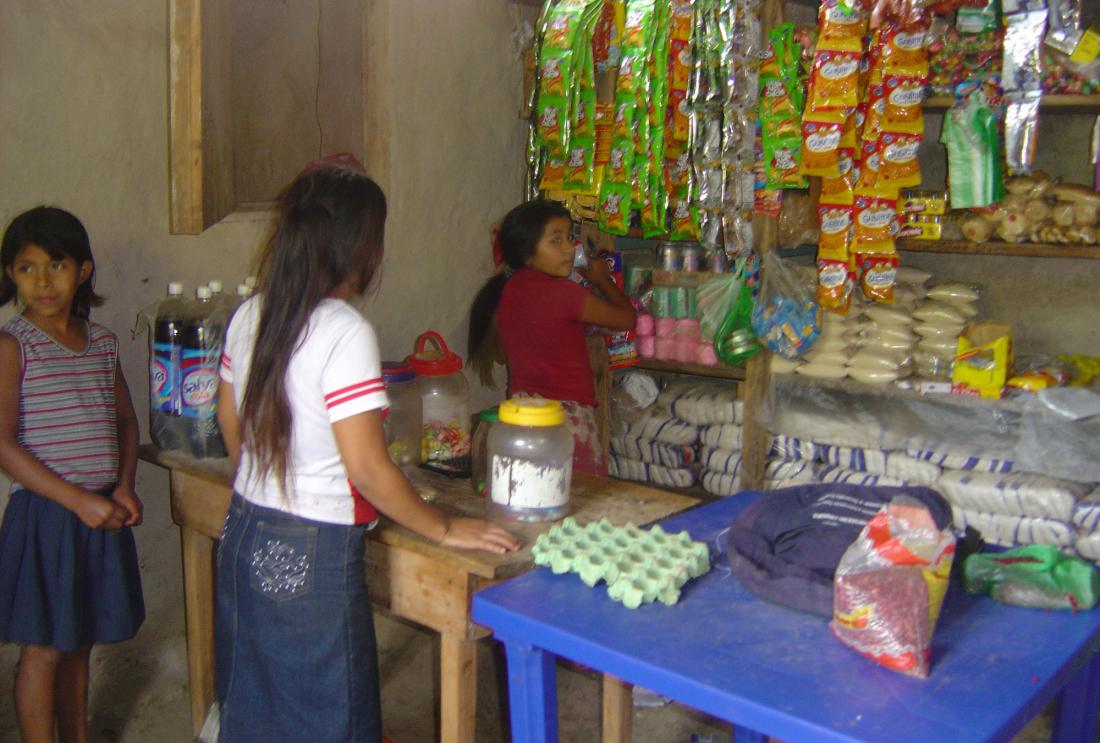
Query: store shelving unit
{"points": [[1030, 250], [675, 367], [1068, 102]]}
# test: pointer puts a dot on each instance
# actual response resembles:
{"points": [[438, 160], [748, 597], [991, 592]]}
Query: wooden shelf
{"points": [[675, 367], [941, 102], [1032, 250]]}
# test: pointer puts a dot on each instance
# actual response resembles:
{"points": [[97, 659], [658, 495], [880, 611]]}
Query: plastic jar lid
{"points": [[436, 363], [491, 415], [532, 411], [396, 372]]}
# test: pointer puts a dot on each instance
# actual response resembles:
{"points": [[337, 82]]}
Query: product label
{"points": [[163, 394], [843, 67], [519, 483], [199, 383]]}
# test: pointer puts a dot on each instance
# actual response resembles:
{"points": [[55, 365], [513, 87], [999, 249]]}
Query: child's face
{"points": [[554, 251], [46, 285]]}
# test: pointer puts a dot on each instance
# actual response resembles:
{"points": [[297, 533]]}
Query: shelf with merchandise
{"points": [[1031, 250]]}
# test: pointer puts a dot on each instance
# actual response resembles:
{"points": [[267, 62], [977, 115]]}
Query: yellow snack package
{"points": [[840, 30], [840, 190], [874, 224], [835, 80], [898, 163], [905, 50], [821, 147], [902, 111]]}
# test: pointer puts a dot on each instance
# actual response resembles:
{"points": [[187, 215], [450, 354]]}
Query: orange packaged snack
{"points": [[834, 277], [902, 111], [905, 49], [875, 112], [835, 80], [836, 229], [839, 30], [821, 148], [868, 168], [840, 190], [874, 224], [878, 275], [898, 164]]}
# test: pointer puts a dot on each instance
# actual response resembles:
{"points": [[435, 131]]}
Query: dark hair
{"points": [[329, 231], [519, 235], [62, 236]]}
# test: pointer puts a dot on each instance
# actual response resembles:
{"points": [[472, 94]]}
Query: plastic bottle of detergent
{"points": [[166, 425], [201, 357]]}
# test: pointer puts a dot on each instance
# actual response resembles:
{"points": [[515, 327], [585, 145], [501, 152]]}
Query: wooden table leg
{"points": [[618, 710], [457, 688], [198, 593]]}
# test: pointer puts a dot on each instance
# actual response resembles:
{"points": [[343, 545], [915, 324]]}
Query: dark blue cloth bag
{"points": [[786, 546]]}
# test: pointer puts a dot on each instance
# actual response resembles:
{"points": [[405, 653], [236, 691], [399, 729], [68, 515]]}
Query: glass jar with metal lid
{"points": [[531, 460]]}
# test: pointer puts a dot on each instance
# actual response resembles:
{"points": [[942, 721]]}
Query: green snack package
{"points": [[783, 162], [1037, 575], [614, 208], [578, 164], [553, 121]]}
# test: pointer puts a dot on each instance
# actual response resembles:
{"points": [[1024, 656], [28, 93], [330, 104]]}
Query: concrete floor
{"points": [[139, 688]]}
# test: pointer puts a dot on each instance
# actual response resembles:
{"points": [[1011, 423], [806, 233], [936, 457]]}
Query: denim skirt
{"points": [[62, 583], [295, 651]]}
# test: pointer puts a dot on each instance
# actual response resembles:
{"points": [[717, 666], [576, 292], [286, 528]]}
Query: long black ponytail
{"points": [[519, 235]]}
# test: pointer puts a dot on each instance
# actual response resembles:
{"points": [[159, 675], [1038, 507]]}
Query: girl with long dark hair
{"points": [[301, 405]]}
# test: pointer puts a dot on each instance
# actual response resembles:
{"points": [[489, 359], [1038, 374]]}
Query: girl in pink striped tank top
{"points": [[69, 574]]}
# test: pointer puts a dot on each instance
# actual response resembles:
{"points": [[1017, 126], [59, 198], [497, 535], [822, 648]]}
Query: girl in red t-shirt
{"points": [[532, 317]]}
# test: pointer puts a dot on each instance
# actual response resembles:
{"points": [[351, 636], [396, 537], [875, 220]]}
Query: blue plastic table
{"points": [[772, 671]]}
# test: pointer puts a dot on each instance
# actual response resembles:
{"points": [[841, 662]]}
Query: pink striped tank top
{"points": [[67, 418]]}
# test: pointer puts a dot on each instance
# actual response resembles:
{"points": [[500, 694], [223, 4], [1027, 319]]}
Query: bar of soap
{"points": [[639, 566]]}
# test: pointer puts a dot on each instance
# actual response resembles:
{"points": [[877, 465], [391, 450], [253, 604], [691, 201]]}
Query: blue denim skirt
{"points": [[62, 583], [295, 650]]}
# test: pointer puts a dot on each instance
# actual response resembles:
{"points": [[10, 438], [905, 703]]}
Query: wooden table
{"points": [[409, 576]]}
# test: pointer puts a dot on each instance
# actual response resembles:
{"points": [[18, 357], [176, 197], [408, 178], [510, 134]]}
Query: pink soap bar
{"points": [[685, 350], [665, 348], [647, 346], [705, 355], [644, 324], [687, 328], [666, 326]]}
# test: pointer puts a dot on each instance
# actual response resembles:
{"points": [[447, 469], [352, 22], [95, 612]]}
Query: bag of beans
{"points": [[890, 584]]}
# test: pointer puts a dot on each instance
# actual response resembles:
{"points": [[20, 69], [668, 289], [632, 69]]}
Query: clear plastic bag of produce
{"points": [[889, 587], [1039, 576]]}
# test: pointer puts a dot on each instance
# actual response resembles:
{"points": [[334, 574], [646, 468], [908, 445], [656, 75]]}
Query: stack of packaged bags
{"points": [[690, 433], [1007, 506]]}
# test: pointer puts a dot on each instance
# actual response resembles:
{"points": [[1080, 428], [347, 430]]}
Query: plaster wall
{"points": [[84, 127]]}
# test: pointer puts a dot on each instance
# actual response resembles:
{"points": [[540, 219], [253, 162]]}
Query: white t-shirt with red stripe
{"points": [[335, 373]]}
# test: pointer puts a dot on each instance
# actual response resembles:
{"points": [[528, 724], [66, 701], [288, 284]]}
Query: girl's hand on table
{"points": [[477, 534]]}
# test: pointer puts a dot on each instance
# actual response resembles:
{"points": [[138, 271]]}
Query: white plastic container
{"points": [[445, 403], [531, 461]]}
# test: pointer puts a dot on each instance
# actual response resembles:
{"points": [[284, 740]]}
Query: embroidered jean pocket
{"points": [[281, 563]]}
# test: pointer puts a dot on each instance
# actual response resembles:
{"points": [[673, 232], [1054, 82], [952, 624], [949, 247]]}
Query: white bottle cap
{"points": [[250, 282], [175, 289], [215, 286], [244, 290], [202, 292]]}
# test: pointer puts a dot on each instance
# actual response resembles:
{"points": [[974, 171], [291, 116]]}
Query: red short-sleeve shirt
{"points": [[542, 334]]}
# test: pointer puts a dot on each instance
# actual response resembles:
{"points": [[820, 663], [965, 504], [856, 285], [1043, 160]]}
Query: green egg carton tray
{"points": [[638, 565]]}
